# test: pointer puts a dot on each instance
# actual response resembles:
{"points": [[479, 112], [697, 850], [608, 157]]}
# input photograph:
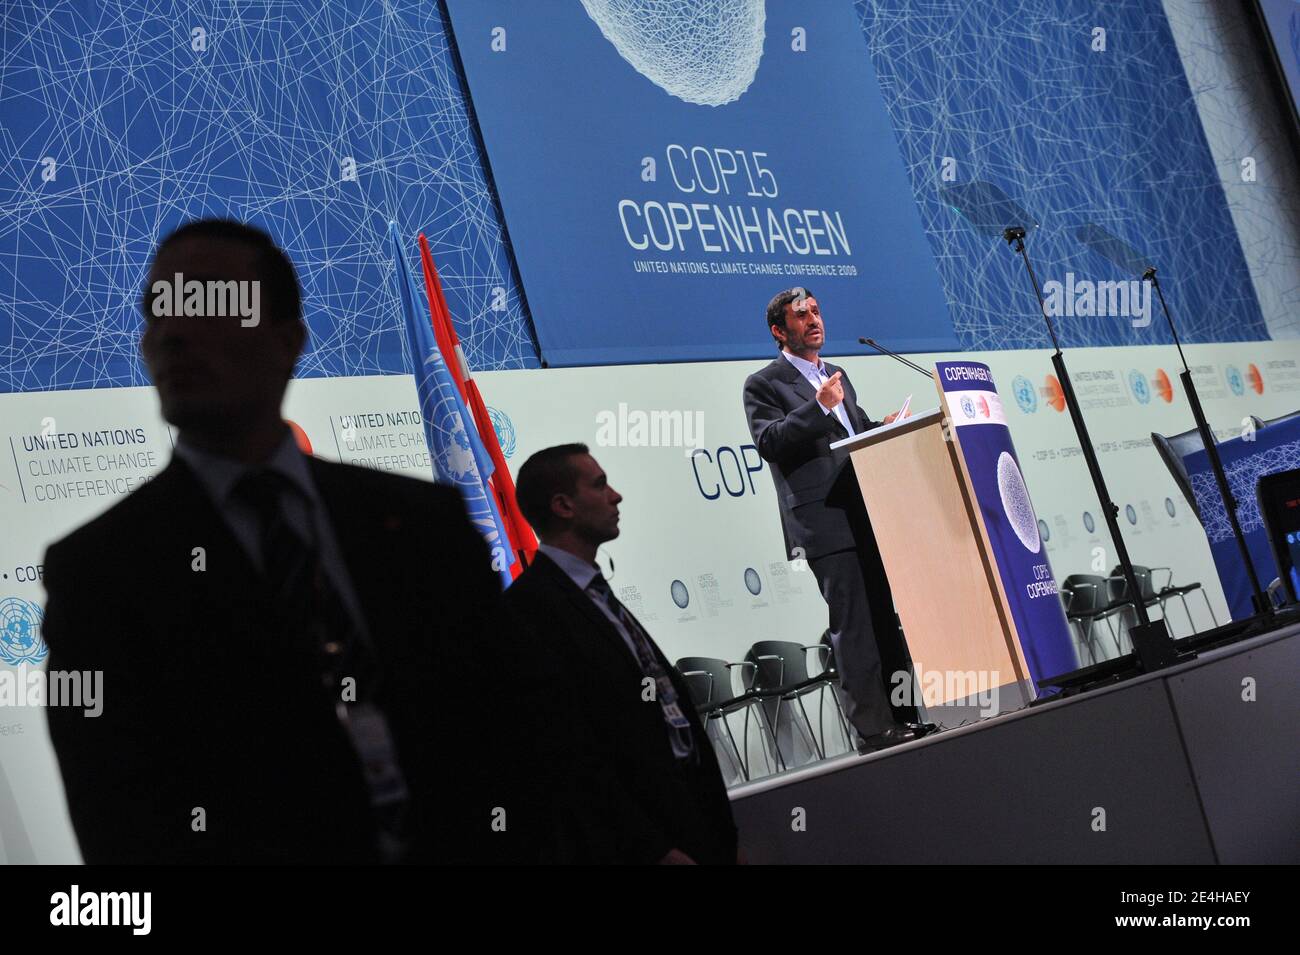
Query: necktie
{"points": [[304, 604], [666, 694], [313, 619]]}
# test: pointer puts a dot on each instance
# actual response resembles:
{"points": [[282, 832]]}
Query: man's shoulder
{"points": [[539, 578], [138, 508], [772, 371]]}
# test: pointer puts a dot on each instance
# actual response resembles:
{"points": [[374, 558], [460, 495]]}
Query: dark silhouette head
{"points": [[223, 330]]}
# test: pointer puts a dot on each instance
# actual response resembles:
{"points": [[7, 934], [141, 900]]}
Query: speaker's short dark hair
{"points": [[545, 474], [281, 295], [776, 308]]}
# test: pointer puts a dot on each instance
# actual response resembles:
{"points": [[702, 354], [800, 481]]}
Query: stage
{"points": [[1194, 764]]}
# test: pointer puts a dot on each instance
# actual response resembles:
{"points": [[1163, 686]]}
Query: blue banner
{"points": [[979, 428], [1245, 459], [666, 168]]}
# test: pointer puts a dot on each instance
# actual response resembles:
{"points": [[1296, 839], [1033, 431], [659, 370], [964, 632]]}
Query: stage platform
{"points": [[1199, 763]]}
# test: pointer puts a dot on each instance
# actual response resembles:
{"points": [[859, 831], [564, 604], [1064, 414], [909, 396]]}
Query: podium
{"points": [[961, 544]]}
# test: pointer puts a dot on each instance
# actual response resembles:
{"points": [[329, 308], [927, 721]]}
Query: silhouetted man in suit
{"points": [[278, 634], [622, 771], [797, 407]]}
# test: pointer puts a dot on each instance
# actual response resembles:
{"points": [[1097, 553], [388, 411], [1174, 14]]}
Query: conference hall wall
{"points": [[700, 557], [323, 123]]}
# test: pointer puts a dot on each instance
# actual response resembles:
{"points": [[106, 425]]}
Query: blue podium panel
{"points": [[666, 168], [979, 428]]}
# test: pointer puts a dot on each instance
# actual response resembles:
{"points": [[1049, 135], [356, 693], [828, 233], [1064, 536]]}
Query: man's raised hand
{"points": [[831, 392]]}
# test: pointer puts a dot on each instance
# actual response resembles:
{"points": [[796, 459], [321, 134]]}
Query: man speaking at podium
{"points": [[797, 407]]}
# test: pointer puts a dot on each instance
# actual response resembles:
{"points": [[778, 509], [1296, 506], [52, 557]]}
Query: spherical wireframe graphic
{"points": [[701, 51], [1016, 504], [753, 583], [1169, 507], [681, 596]]}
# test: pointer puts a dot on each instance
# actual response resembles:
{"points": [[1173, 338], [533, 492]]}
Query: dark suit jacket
{"points": [[794, 435], [596, 781], [207, 706]]}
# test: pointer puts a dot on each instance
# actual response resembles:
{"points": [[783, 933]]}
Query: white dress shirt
{"points": [[817, 376]]}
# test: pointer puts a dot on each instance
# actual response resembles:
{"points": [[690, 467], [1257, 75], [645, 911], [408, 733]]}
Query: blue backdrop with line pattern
{"points": [[321, 122]]}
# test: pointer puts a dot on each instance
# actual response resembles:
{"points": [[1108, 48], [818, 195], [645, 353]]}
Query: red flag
{"points": [[440, 317], [503, 486]]}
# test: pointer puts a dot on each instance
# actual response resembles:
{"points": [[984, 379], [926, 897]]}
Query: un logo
{"points": [[967, 406], [1235, 381], [1026, 394], [20, 632], [505, 429], [1137, 382]]}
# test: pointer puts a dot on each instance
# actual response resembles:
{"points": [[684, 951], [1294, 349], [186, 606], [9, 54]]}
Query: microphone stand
{"points": [[872, 343], [1151, 642], [1263, 606]]}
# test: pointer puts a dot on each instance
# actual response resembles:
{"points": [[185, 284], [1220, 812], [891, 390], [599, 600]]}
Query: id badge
{"points": [[368, 729], [674, 715]]}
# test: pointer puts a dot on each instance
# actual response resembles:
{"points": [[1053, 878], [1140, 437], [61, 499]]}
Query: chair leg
{"points": [[771, 725], [1164, 615], [1111, 627], [840, 715], [772, 750], [1084, 637], [821, 715], [742, 761], [821, 753], [1191, 624], [776, 724], [762, 743], [1208, 607]]}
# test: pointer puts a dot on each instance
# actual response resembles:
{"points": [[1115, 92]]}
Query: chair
{"points": [[1118, 595], [709, 681], [1087, 599], [777, 670], [1151, 596], [1171, 590], [1174, 449], [1281, 419]]}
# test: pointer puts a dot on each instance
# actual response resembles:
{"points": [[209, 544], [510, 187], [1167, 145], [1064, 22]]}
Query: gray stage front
{"points": [[1198, 763]]}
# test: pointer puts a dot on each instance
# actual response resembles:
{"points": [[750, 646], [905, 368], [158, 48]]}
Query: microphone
{"points": [[872, 343]]}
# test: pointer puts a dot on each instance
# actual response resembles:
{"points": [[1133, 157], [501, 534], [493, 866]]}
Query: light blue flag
{"points": [[458, 455]]}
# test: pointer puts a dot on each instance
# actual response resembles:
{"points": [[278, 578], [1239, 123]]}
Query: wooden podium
{"points": [[941, 567]]}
